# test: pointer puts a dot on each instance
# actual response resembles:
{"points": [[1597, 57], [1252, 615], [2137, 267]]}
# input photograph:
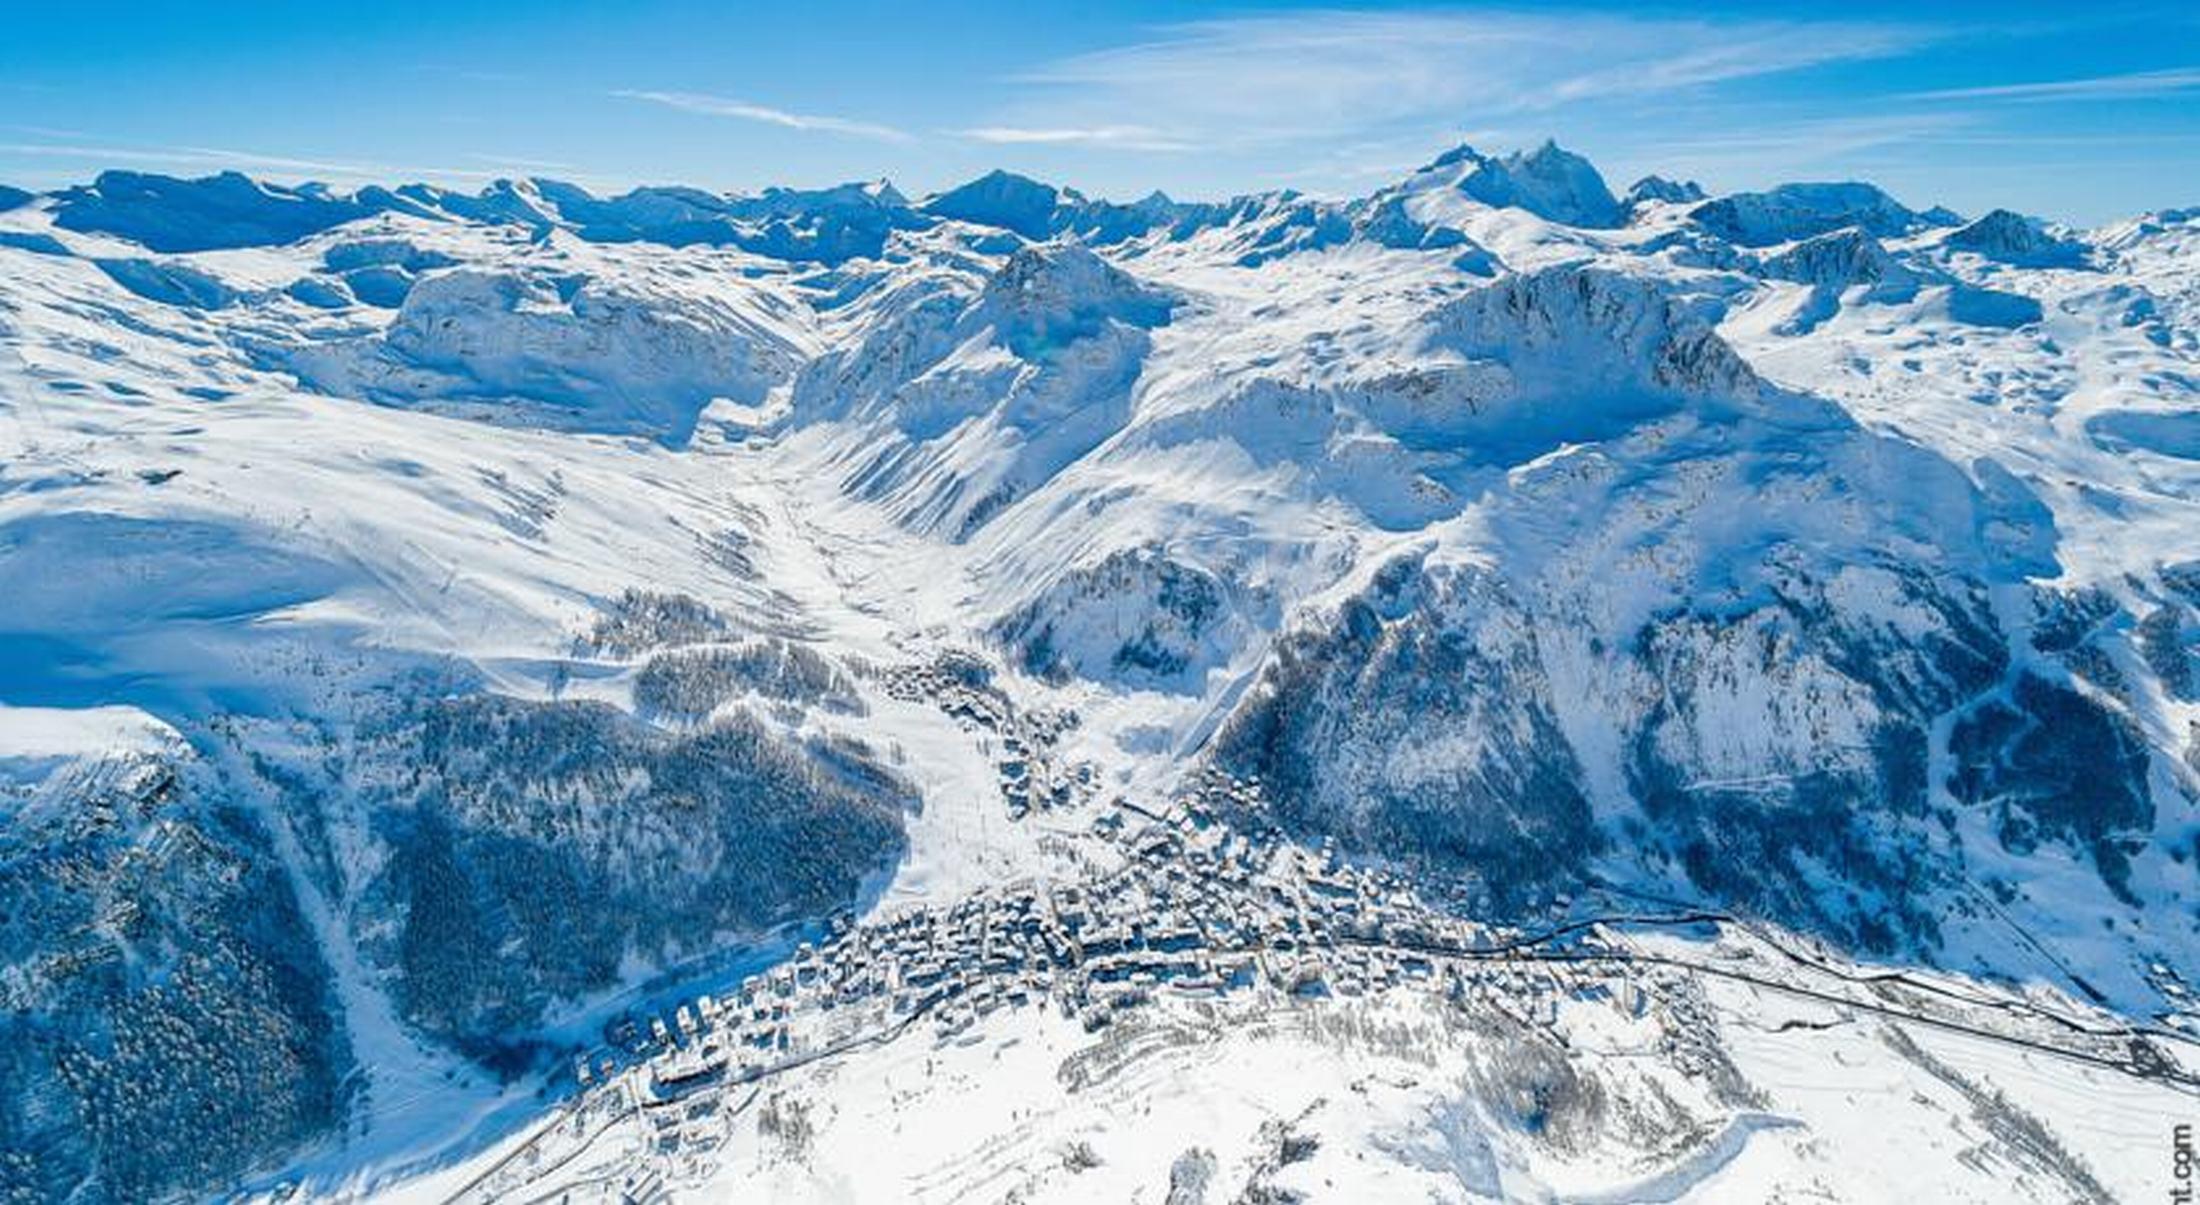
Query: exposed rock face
{"points": [[1587, 334], [560, 351], [1778, 756], [1426, 733], [1138, 616], [1658, 188], [1549, 182], [2015, 239], [1840, 260], [970, 400], [1832, 264], [1752, 746], [1760, 733]]}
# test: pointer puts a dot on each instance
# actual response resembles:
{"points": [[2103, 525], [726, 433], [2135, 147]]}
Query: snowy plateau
{"points": [[1491, 690]]}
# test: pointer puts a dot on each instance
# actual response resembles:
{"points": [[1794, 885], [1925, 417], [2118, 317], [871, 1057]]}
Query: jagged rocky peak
{"points": [[1658, 188], [1840, 259], [500, 202], [1060, 290], [2012, 238], [1834, 263], [1102, 222], [1534, 362], [1551, 182], [1570, 330], [1796, 211], [1005, 200], [13, 198]]}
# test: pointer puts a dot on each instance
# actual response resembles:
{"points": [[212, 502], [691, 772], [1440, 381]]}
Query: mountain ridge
{"points": [[1550, 180]]}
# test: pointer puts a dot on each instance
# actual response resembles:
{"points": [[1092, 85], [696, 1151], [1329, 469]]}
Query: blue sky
{"points": [[2080, 113]]}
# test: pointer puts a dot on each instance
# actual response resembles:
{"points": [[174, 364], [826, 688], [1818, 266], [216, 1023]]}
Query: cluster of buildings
{"points": [[2182, 1003], [1192, 908], [1023, 745], [1189, 907]]}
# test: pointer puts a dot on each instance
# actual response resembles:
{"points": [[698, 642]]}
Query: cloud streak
{"points": [[742, 110], [1797, 146], [2136, 85], [1260, 80], [1140, 138], [201, 158]]}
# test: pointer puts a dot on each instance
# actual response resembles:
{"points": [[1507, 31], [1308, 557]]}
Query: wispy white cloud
{"points": [[55, 132], [1140, 138], [1755, 149], [515, 161], [721, 106], [2136, 85], [1260, 80], [198, 158]]}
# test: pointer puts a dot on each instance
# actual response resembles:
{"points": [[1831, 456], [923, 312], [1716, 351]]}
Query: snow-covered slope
{"points": [[445, 632]]}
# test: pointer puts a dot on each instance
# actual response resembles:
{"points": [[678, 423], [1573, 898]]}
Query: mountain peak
{"points": [[1463, 153], [1548, 151], [172, 214], [883, 191], [1795, 211], [1004, 199], [1550, 181], [2011, 237], [1659, 188]]}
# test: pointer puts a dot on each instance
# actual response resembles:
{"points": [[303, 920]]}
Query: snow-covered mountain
{"points": [[444, 632]]}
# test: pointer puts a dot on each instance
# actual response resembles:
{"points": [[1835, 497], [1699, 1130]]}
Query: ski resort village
{"points": [[1483, 683]]}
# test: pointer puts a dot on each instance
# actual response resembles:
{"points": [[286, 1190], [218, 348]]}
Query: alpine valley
{"points": [[1492, 690]]}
